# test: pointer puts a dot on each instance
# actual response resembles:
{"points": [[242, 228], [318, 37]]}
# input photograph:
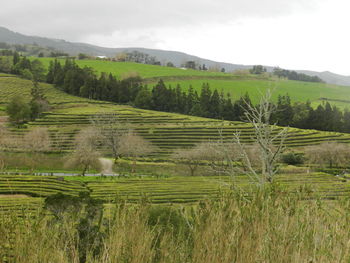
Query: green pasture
{"points": [[145, 71], [297, 90]]}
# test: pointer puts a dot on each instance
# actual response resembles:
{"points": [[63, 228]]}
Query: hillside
{"points": [[235, 84], [167, 131], [163, 56], [177, 58]]}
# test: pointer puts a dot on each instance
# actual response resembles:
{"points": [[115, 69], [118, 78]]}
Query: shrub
{"points": [[293, 158], [18, 110]]}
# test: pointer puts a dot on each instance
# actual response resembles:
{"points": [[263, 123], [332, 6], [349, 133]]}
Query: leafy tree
{"points": [[38, 70], [27, 74], [18, 110], [82, 56], [284, 111], [143, 99], [204, 100], [5, 64], [190, 64], [170, 64], [38, 103], [215, 103], [160, 97], [16, 58], [346, 127], [257, 69]]}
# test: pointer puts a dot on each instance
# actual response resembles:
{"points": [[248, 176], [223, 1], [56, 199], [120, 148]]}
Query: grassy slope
{"points": [[145, 71], [298, 91], [236, 85], [11, 86]]}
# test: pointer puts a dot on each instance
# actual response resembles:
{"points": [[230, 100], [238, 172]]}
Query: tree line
{"points": [[206, 103], [293, 75], [84, 82]]}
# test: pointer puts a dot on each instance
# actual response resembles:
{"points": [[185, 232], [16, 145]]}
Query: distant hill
{"points": [[164, 56], [329, 77]]}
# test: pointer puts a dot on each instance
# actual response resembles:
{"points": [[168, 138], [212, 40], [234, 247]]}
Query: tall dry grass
{"points": [[267, 225]]}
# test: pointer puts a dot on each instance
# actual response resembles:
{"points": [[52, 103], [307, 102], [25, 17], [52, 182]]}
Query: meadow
{"points": [[145, 71], [297, 90]]}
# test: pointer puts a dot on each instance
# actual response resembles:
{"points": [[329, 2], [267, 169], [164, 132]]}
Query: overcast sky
{"points": [[294, 34]]}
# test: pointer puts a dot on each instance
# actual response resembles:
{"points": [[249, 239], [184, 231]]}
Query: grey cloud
{"points": [[75, 20]]}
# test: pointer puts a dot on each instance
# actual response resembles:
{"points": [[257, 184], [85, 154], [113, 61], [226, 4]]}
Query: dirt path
{"points": [[106, 166]]}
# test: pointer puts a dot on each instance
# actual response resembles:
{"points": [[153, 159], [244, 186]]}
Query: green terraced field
{"points": [[178, 189], [20, 205], [11, 86], [170, 131], [193, 189], [167, 131], [38, 186]]}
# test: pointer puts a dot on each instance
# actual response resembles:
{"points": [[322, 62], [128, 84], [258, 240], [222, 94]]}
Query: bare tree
{"points": [[328, 154], [202, 153], [110, 129], [36, 142], [133, 145], [85, 156], [269, 140]]}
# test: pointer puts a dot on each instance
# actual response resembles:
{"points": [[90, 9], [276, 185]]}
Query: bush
{"points": [[18, 110], [293, 158], [167, 218]]}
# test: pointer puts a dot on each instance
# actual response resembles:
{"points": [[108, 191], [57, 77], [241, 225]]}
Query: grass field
{"points": [[145, 71], [297, 90]]}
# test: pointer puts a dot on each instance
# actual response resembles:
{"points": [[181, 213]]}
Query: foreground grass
{"points": [[261, 225]]}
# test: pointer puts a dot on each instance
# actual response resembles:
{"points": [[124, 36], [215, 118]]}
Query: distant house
{"points": [[101, 57]]}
